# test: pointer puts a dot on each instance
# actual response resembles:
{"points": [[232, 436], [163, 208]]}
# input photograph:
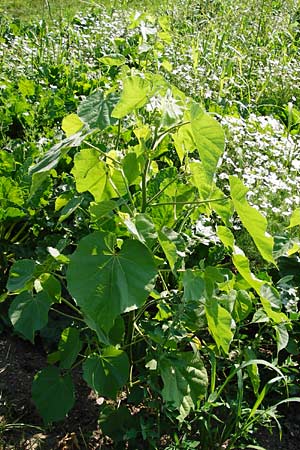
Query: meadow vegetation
{"points": [[149, 196]]}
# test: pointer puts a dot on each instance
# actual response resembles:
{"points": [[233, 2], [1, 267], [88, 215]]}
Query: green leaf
{"points": [[69, 346], [184, 141], [295, 218], [53, 156], [166, 239], [220, 323], [254, 222], [20, 274], [53, 394], [113, 60], [29, 313], [194, 285], [10, 192], [242, 306], [96, 110], [209, 139], [117, 280], [185, 381], [136, 91], [91, 174], [131, 168], [108, 372], [26, 87], [71, 124], [226, 236], [282, 336]]}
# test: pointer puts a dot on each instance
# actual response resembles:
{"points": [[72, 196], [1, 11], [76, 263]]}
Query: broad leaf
{"points": [[69, 347], [96, 110], [194, 285], [220, 324], [71, 124], [29, 313], [20, 274], [295, 218], [53, 156], [108, 372], [53, 394], [209, 139], [111, 282], [168, 245], [136, 91], [91, 174], [185, 381], [254, 222]]}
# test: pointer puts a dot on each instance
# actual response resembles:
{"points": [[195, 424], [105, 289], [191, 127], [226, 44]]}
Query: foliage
{"points": [[121, 211]]}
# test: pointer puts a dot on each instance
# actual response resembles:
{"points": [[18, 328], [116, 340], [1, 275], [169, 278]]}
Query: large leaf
{"points": [[53, 394], [184, 141], [69, 347], [96, 110], [185, 381], [220, 324], [136, 91], [264, 291], [29, 313], [295, 218], [91, 175], [167, 239], [108, 372], [209, 139], [111, 282], [71, 124], [53, 156], [254, 222], [20, 274]]}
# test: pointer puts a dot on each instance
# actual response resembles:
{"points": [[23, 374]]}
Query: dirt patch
{"points": [[19, 361], [21, 428]]}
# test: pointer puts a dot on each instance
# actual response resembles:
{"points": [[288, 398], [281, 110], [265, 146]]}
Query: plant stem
{"points": [[144, 185]]}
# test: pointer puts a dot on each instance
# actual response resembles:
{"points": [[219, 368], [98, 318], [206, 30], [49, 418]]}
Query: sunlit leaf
{"points": [[71, 124], [295, 218], [254, 222], [136, 91]]}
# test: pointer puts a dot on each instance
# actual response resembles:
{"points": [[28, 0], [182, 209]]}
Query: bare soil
{"points": [[21, 428]]}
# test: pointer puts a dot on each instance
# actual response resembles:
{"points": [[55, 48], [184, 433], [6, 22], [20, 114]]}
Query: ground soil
{"points": [[19, 361]]}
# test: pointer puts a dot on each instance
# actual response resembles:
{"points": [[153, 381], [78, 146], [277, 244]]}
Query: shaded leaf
{"points": [[108, 372], [96, 110], [29, 313], [69, 346], [20, 274], [111, 282], [53, 394], [185, 381]]}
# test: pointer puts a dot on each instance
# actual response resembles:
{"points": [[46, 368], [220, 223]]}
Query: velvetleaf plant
{"points": [[144, 307]]}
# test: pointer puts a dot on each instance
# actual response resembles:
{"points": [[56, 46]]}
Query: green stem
{"points": [[103, 153], [69, 304], [200, 202], [144, 185], [67, 315], [118, 135]]}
